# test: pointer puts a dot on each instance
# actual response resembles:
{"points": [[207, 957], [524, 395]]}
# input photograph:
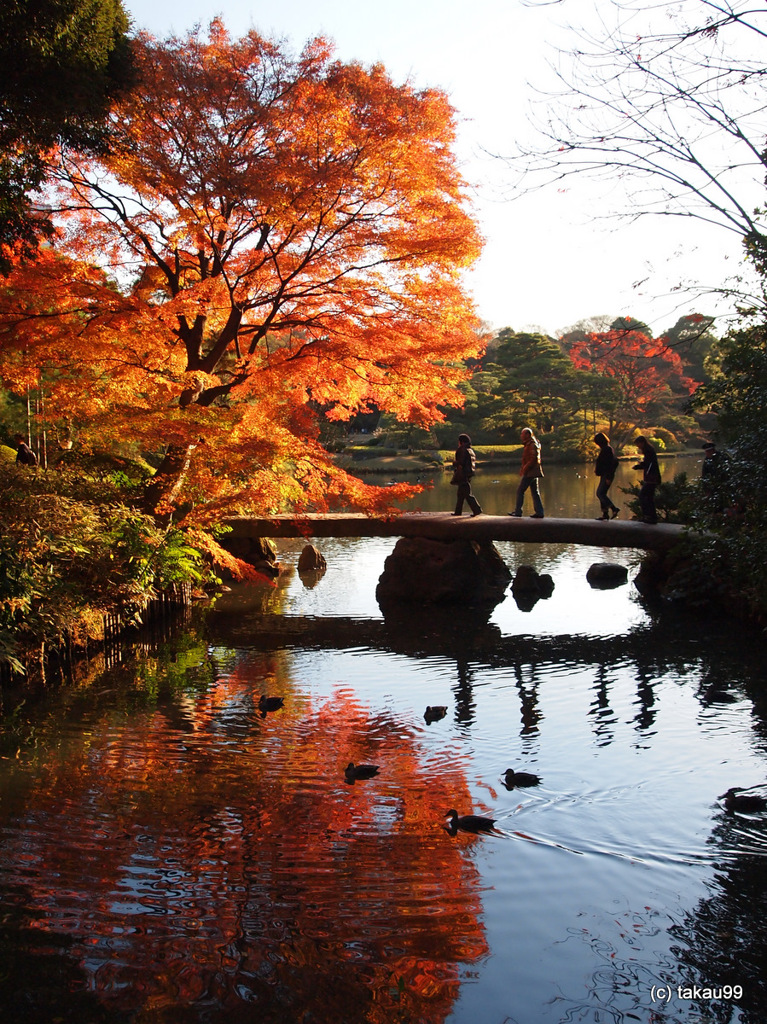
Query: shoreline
{"points": [[427, 462]]}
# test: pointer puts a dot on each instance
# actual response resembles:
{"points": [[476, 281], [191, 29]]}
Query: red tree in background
{"points": [[645, 374]]}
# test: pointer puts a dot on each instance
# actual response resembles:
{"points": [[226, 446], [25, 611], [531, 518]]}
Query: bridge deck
{"points": [[443, 526]]}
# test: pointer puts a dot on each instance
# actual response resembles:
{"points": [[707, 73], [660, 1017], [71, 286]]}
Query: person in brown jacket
{"points": [[530, 473]]}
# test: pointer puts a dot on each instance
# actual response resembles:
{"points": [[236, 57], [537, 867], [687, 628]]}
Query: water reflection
{"points": [[645, 699], [719, 946], [225, 863], [466, 639], [170, 854], [604, 718]]}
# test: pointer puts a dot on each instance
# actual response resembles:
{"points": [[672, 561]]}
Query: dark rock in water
{"points": [[545, 584], [685, 582], [311, 560], [651, 576], [530, 586], [526, 578], [259, 552], [607, 575], [424, 571], [272, 569]]}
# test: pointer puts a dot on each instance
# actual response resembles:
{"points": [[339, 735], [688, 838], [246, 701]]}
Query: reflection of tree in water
{"points": [[719, 946], [722, 941], [624, 985], [226, 869], [214, 863], [724, 937], [41, 982]]}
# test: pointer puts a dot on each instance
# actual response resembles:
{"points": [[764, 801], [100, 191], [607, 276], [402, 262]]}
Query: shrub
{"points": [[65, 561], [675, 499]]}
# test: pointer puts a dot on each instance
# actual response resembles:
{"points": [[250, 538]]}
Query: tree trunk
{"points": [[163, 489]]}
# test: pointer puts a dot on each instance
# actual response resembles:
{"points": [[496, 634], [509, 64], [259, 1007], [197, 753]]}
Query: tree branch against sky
{"points": [[667, 104], [485, 63]]}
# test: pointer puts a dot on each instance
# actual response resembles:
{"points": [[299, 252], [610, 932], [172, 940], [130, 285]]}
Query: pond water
{"points": [[169, 852]]}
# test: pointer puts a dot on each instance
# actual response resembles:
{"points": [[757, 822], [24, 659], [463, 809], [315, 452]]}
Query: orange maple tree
{"points": [[273, 238]]}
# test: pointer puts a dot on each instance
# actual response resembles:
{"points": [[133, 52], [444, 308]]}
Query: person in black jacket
{"points": [[605, 467], [464, 464], [650, 480], [24, 454], [714, 466]]}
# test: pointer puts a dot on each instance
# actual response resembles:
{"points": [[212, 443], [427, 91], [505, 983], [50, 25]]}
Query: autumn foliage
{"points": [[642, 370], [273, 238], [284, 886]]}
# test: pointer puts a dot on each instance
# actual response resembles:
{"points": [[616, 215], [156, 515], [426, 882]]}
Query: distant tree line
{"points": [[600, 374]]}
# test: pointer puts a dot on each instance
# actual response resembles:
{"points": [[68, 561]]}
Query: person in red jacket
{"points": [[530, 472]]}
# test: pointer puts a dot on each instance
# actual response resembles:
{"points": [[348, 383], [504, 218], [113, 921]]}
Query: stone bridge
{"points": [[443, 526]]}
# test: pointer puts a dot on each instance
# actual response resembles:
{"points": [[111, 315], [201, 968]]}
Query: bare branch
{"points": [[668, 103]]}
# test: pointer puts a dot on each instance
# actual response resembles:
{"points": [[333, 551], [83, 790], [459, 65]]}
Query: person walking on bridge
{"points": [[650, 480], [464, 464], [530, 472], [605, 466]]}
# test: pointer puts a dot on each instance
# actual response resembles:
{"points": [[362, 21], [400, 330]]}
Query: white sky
{"points": [[552, 258]]}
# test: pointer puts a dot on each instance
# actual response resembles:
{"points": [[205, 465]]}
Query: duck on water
{"points": [[468, 822]]}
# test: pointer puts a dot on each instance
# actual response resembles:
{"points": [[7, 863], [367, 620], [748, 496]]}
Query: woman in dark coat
{"points": [[650, 480], [605, 467], [463, 471]]}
